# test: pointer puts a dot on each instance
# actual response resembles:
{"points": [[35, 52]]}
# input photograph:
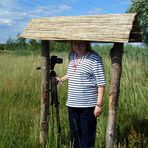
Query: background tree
{"points": [[59, 46], [10, 44], [34, 45], [141, 8], [21, 41]]}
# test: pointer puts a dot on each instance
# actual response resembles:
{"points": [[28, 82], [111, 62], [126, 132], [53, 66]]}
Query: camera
{"points": [[55, 60]]}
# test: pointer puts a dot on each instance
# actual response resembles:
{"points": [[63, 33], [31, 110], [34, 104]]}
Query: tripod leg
{"points": [[56, 103], [58, 126], [52, 116]]}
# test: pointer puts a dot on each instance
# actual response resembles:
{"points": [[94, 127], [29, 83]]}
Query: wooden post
{"points": [[44, 92], [116, 58]]}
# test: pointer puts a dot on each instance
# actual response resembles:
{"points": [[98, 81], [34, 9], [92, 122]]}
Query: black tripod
{"points": [[54, 98]]}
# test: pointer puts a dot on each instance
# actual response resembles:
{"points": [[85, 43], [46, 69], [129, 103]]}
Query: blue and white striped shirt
{"points": [[84, 77]]}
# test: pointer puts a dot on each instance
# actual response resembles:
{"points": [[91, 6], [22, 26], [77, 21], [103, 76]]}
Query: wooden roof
{"points": [[101, 28]]}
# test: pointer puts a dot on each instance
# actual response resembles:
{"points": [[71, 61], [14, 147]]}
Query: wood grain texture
{"points": [[106, 28], [116, 54]]}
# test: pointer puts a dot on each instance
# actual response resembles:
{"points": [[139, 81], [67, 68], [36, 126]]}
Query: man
{"points": [[86, 85]]}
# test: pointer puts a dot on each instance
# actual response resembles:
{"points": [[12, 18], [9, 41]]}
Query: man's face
{"points": [[79, 46]]}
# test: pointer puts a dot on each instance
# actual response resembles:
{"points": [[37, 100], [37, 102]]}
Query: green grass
{"points": [[20, 100]]}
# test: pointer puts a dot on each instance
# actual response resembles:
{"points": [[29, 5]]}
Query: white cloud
{"points": [[5, 13], [23, 14], [14, 16], [125, 2], [62, 8], [7, 3], [5, 17], [8, 12], [6, 21], [96, 10], [11, 10], [50, 10], [9, 17]]}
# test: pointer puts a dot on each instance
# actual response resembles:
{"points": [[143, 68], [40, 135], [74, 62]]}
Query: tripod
{"points": [[54, 99]]}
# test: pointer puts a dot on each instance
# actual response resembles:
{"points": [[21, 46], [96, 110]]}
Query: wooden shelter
{"points": [[102, 28], [116, 28]]}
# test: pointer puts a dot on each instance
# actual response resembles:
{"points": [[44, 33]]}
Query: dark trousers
{"points": [[82, 127]]}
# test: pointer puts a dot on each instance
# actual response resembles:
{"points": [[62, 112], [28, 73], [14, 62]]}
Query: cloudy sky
{"points": [[15, 14]]}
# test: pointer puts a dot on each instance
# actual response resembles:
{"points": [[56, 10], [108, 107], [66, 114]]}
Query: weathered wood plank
{"points": [[44, 93], [116, 27], [84, 39], [116, 59], [81, 19]]}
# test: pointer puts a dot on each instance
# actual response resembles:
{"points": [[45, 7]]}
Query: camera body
{"points": [[55, 60]]}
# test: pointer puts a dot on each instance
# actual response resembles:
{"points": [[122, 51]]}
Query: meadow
{"points": [[20, 100]]}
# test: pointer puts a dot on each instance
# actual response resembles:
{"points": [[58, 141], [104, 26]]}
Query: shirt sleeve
{"points": [[98, 72]]}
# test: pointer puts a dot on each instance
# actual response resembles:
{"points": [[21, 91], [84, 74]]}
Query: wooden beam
{"points": [[116, 58], [44, 92]]}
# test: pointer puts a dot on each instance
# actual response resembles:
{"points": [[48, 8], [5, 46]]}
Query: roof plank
{"points": [[101, 28]]}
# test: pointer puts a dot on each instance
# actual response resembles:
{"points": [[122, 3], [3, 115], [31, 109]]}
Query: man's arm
{"points": [[64, 78], [98, 108]]}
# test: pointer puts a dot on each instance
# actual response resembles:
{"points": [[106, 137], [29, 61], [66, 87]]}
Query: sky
{"points": [[16, 14]]}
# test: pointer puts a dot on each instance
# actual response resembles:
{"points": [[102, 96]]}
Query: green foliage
{"points": [[59, 46], [2, 47], [141, 8], [103, 50], [32, 45], [10, 44], [21, 41], [21, 44]]}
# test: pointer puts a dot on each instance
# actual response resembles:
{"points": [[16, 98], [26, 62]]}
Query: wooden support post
{"points": [[116, 58], [44, 92]]}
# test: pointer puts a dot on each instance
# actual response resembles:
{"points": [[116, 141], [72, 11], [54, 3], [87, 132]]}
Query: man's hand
{"points": [[59, 80], [97, 111]]}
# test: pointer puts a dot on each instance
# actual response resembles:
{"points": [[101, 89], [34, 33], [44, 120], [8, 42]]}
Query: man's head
{"points": [[80, 46]]}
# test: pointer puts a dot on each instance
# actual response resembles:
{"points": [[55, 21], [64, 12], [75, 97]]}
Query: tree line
{"points": [[31, 44]]}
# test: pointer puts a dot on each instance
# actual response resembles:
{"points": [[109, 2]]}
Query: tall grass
{"points": [[20, 100]]}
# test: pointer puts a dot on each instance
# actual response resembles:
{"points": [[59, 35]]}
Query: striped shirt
{"points": [[84, 77]]}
